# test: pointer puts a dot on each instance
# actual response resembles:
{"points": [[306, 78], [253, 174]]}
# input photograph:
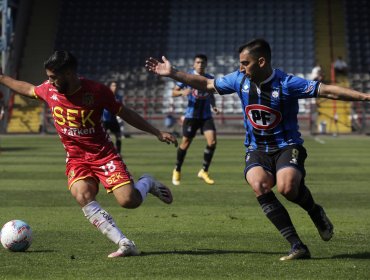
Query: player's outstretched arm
{"points": [[134, 119], [20, 87], [165, 69], [342, 93]]}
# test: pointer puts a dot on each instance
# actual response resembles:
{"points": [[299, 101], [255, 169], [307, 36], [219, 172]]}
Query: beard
{"points": [[62, 88]]}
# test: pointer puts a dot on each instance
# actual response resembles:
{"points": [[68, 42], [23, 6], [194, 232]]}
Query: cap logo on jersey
{"points": [[262, 117]]}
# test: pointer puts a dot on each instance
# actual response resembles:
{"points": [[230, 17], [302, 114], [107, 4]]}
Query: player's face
{"points": [[59, 81], [200, 65], [251, 66], [113, 87]]}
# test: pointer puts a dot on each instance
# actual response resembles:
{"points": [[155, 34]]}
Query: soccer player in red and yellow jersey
{"points": [[77, 105]]}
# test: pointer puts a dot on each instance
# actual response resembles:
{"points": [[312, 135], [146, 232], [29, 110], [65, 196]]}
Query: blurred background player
{"points": [[317, 73], [198, 115], [274, 148], [77, 105], [340, 66], [110, 121]]}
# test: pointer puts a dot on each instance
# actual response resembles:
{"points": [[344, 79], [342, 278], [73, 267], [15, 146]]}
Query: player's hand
{"points": [[158, 67], [186, 92], [216, 110], [167, 137]]}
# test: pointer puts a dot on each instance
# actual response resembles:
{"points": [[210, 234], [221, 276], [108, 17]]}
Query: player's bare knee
{"points": [[129, 204], [288, 189], [130, 201], [212, 146], [260, 187], [84, 198]]}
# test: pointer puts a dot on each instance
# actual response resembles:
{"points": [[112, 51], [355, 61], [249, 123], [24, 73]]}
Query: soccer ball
{"points": [[16, 236]]}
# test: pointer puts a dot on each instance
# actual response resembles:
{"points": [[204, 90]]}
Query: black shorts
{"points": [[292, 156], [190, 126], [112, 126]]}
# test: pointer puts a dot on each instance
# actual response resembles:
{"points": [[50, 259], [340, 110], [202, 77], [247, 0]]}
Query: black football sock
{"points": [[304, 198], [279, 216], [208, 155], [180, 158]]}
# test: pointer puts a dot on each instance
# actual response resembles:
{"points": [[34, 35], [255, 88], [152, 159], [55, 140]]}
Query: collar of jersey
{"points": [[268, 79]]}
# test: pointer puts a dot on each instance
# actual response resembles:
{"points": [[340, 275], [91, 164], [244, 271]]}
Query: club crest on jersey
{"points": [[275, 94], [245, 88], [262, 117], [88, 99]]}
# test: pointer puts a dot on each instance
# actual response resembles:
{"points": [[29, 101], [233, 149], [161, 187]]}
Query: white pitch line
{"points": [[317, 139]]}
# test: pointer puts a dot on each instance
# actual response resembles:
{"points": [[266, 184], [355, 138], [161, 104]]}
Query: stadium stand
{"points": [[122, 35], [113, 38]]}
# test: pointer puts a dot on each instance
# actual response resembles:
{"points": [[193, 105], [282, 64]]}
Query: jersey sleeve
{"points": [[41, 91], [228, 84], [297, 87], [181, 85]]}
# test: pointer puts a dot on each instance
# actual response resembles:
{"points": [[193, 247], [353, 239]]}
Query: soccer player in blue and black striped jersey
{"points": [[110, 121], [274, 148], [198, 115]]}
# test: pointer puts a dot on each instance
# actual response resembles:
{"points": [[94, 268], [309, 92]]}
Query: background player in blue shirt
{"points": [[110, 121], [274, 151], [198, 115]]}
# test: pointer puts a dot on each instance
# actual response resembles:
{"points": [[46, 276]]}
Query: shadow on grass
{"points": [[39, 251], [363, 256], [206, 252], [15, 149]]}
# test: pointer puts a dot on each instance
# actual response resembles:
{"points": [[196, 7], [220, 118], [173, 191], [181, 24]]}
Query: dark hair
{"points": [[258, 48], [201, 56], [60, 61], [113, 82]]}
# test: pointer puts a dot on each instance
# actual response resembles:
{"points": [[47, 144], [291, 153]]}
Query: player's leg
{"points": [[180, 157], [132, 195], [210, 135], [85, 191], [290, 183], [262, 182], [188, 129]]}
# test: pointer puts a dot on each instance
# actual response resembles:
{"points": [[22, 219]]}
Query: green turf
{"points": [[209, 232]]}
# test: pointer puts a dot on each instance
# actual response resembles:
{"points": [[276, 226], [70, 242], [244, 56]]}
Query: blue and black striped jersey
{"points": [[270, 111], [199, 103]]}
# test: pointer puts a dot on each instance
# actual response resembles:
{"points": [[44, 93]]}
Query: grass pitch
{"points": [[209, 232]]}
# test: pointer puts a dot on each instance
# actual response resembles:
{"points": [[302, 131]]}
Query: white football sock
{"points": [[143, 185], [101, 219]]}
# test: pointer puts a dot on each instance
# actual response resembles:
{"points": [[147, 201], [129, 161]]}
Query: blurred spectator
{"points": [[340, 66], [317, 74]]}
